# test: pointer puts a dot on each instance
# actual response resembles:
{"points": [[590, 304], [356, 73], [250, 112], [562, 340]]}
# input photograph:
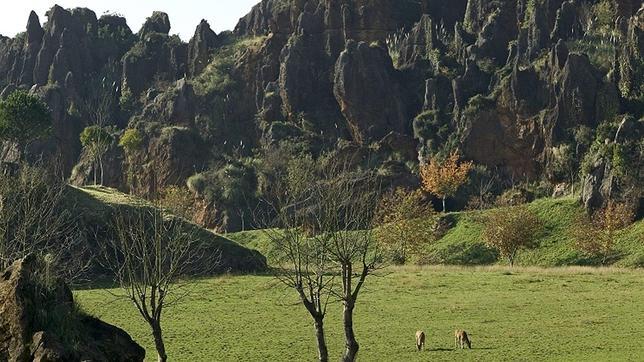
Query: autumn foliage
{"points": [[444, 178], [405, 224], [595, 235], [508, 230]]}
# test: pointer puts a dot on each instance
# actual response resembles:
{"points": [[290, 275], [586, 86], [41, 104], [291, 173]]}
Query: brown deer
{"points": [[420, 340], [461, 338]]}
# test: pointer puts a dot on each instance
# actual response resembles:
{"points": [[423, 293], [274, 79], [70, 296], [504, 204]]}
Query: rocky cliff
{"points": [[512, 84]]}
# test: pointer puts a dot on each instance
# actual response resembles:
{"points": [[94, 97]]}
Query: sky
{"points": [[185, 15]]}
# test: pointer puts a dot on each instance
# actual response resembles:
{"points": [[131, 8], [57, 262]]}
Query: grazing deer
{"points": [[420, 340], [461, 338]]}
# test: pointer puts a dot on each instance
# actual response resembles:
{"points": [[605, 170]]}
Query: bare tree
{"points": [[152, 257], [322, 238], [301, 262], [346, 201], [35, 218]]}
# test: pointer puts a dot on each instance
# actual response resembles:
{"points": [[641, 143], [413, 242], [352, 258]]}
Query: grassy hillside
{"points": [[520, 314], [96, 206], [463, 244]]}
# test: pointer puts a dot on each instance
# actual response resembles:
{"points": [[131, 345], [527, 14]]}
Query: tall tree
{"points": [[443, 179], [301, 261], [24, 118], [96, 141], [346, 201], [152, 256]]}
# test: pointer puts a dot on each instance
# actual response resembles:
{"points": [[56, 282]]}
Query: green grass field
{"points": [[522, 314]]}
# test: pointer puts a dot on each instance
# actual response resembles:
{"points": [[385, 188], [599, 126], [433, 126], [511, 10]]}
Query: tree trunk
{"points": [[351, 343], [100, 162], [323, 352], [444, 208], [158, 341]]}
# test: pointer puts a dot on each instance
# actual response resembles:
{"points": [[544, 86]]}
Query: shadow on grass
{"points": [[456, 349], [439, 350]]}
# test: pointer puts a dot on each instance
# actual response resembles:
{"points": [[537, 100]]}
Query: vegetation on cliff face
{"points": [[530, 90]]}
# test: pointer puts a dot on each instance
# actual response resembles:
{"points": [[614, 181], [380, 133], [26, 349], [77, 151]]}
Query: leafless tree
{"points": [[346, 201], [301, 262], [152, 257], [36, 218]]}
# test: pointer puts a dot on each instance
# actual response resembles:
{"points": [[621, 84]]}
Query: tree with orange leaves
{"points": [[444, 178], [597, 234]]}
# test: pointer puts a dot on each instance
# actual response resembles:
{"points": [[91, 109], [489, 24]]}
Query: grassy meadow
{"points": [[528, 314]]}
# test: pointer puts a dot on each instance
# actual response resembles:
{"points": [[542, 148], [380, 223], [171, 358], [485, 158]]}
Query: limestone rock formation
{"points": [[40, 322], [370, 97], [503, 81], [200, 49], [159, 22]]}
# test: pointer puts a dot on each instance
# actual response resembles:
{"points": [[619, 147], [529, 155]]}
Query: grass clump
{"points": [[218, 77]]}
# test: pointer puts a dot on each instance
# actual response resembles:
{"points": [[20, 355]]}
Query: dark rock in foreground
{"points": [[40, 322]]}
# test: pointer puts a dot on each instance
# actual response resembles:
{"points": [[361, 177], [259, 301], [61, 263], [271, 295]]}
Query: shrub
{"points": [[406, 223], [595, 235], [179, 200], [131, 140], [508, 230]]}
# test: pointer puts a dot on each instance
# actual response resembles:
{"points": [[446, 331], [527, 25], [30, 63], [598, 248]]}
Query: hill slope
{"points": [[464, 245], [96, 206]]}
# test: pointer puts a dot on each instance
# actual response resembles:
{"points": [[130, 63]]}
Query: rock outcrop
{"points": [[40, 322], [370, 97], [505, 82], [200, 48]]}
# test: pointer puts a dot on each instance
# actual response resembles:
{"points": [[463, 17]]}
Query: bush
{"points": [[514, 197], [508, 230], [595, 235], [131, 140], [406, 222], [180, 201]]}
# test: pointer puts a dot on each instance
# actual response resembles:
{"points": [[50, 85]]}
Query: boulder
{"points": [[33, 305]]}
